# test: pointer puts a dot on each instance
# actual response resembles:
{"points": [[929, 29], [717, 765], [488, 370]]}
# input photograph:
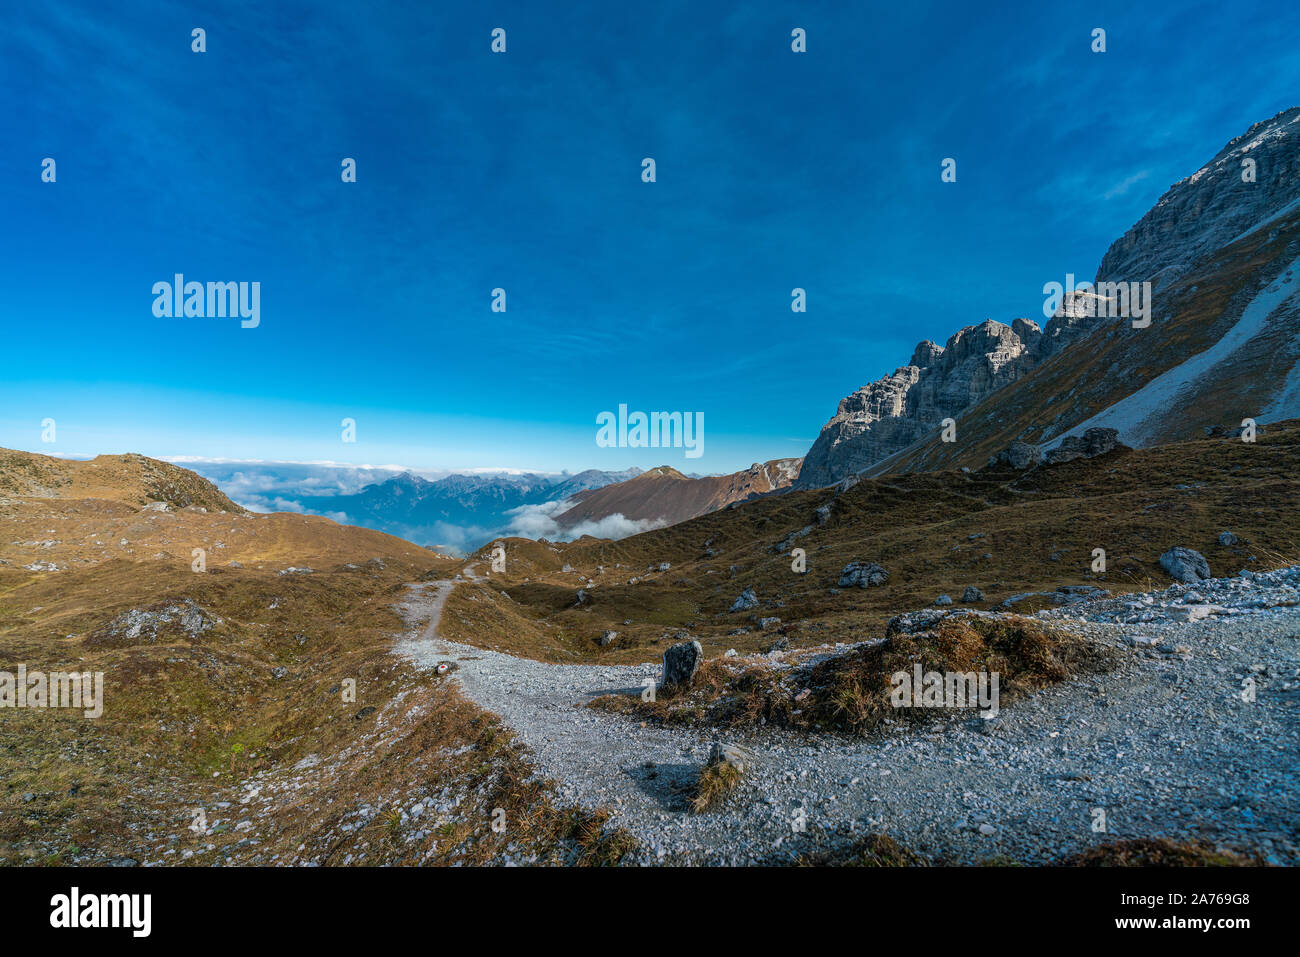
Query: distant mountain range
{"points": [[461, 512], [1221, 250]]}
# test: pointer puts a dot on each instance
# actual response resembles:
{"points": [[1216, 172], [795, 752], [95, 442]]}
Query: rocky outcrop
{"points": [[1092, 443], [940, 382], [163, 621], [1220, 250], [1212, 207], [1018, 455]]}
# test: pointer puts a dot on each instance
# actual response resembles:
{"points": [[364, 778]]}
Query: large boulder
{"points": [[747, 601], [863, 575], [681, 661], [1185, 565]]}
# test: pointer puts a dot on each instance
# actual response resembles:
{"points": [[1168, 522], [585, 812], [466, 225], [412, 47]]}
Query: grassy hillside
{"points": [[225, 690], [1003, 532]]}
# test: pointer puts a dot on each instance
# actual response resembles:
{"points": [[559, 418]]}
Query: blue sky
{"points": [[522, 171]]}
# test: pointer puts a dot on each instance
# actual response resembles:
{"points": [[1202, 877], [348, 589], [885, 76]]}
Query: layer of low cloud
{"points": [[538, 521]]}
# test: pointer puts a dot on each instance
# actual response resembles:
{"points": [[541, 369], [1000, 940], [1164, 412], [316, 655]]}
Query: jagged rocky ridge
{"points": [[1178, 244], [940, 382]]}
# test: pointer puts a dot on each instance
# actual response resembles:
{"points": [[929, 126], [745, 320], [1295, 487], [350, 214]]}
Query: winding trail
{"points": [[1164, 744]]}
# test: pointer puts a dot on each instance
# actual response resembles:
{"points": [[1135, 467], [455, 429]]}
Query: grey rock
{"points": [[747, 600], [1185, 565], [972, 594], [914, 622], [681, 661], [1092, 443], [607, 638], [150, 623], [863, 575], [738, 757], [1018, 455], [1227, 539]]}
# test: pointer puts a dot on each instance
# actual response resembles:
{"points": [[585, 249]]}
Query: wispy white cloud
{"points": [[1124, 185]]}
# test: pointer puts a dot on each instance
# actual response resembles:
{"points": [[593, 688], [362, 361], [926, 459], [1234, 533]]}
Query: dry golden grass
{"points": [[717, 780], [877, 850], [194, 720], [1159, 852], [132, 479], [849, 691]]}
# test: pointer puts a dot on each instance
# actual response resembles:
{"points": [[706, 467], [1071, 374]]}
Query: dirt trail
{"points": [[1164, 745]]}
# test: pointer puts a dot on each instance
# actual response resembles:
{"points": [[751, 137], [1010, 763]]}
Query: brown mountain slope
{"points": [[60, 514], [664, 496], [131, 479]]}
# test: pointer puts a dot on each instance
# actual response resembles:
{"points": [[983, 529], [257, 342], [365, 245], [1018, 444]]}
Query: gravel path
{"points": [[1164, 744]]}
